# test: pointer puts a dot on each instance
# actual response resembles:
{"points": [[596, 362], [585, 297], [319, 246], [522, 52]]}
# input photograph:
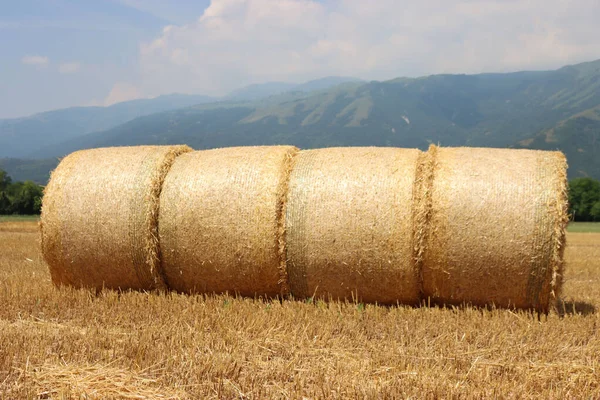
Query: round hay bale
{"points": [[349, 223], [496, 229], [99, 217], [220, 224]]}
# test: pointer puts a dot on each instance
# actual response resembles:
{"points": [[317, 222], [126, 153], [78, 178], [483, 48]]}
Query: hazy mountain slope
{"points": [[259, 90], [325, 83], [546, 110], [33, 170], [578, 137], [21, 137], [26, 137], [262, 90]]}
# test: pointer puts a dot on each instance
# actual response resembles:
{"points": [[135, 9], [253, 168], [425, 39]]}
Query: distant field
{"points": [[573, 226], [16, 218], [584, 227], [75, 344]]}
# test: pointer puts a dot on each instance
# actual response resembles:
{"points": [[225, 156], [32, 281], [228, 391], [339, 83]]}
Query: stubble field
{"points": [[63, 343]]}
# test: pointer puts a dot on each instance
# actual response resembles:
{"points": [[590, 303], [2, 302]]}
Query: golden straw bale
{"points": [[221, 216], [496, 229], [99, 217], [349, 223]]}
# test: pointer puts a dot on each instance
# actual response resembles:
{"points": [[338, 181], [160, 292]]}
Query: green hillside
{"points": [[579, 138], [539, 110]]}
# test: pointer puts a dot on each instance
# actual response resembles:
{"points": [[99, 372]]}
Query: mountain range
{"points": [[21, 137], [550, 110]]}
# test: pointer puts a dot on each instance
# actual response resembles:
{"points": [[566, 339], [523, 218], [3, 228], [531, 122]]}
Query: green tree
{"points": [[584, 199], [5, 180], [28, 199], [13, 189], [595, 211], [5, 204], [19, 197]]}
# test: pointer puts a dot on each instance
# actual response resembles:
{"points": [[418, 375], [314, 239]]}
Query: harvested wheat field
{"points": [[66, 343]]}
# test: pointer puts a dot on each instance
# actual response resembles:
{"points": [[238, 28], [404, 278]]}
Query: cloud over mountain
{"points": [[237, 42]]}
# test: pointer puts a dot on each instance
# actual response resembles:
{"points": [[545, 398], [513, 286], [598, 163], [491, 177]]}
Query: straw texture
{"points": [[495, 230], [385, 225], [349, 222], [99, 217], [221, 227]]}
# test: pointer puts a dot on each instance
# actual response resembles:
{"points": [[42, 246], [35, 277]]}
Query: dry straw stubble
{"points": [[350, 227], [99, 217], [221, 221], [495, 230], [219, 347]]}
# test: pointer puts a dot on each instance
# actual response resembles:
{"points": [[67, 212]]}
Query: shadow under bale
{"points": [[572, 307]]}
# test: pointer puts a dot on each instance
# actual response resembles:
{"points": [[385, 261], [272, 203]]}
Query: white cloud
{"points": [[40, 61], [122, 91], [237, 42], [69, 68]]}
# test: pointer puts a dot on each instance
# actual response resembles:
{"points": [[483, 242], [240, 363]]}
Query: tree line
{"points": [[584, 199], [26, 198], [19, 197]]}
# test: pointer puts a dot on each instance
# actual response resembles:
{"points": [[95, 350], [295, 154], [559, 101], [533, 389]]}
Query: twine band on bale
{"points": [[349, 225], [551, 218], [220, 224], [284, 279], [496, 229], [421, 204], [100, 214]]}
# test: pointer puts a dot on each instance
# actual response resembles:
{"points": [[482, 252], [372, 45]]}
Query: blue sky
{"points": [[61, 53]]}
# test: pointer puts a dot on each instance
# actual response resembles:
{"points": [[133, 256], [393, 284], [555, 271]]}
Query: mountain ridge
{"points": [[25, 136], [264, 90], [547, 110]]}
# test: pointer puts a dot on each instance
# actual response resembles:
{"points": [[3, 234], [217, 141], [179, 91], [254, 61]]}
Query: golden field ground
{"points": [[63, 343]]}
